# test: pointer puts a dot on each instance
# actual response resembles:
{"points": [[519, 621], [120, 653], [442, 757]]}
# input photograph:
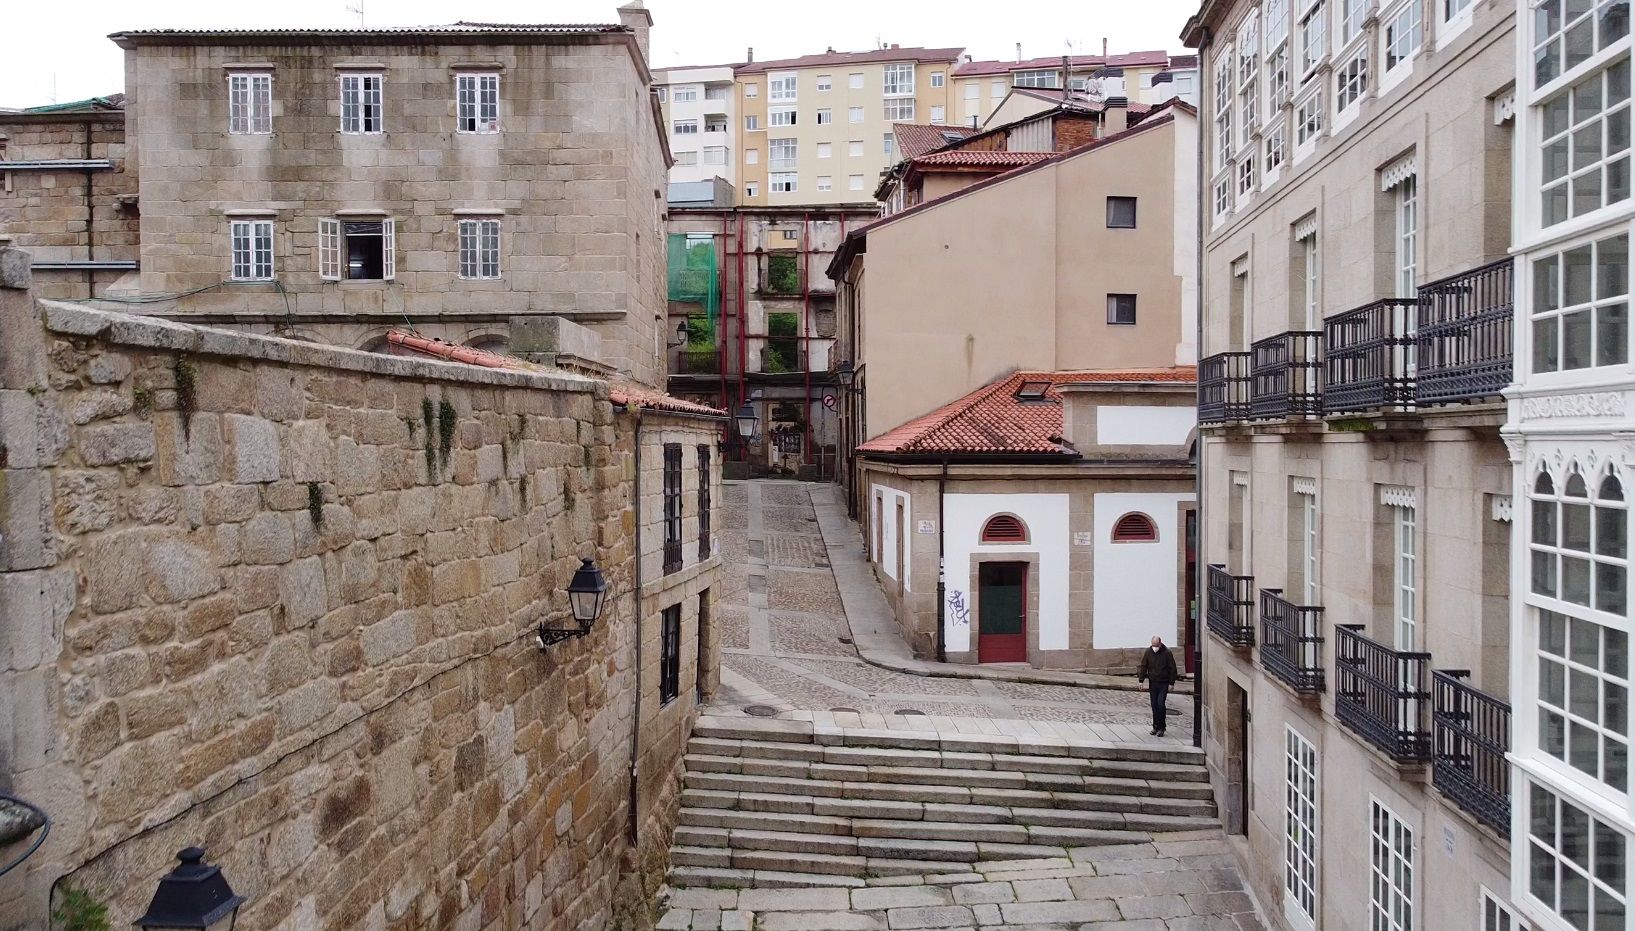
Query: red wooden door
{"points": [[1002, 606]]}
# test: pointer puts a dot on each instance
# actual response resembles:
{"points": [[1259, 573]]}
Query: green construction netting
{"points": [[693, 280]]}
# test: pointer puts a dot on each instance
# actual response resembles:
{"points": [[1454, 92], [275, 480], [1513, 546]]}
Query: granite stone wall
{"points": [[278, 599]]}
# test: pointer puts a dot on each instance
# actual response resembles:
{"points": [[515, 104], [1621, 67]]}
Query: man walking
{"points": [[1158, 671]]}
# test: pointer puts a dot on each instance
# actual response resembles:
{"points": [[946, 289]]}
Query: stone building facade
{"points": [[66, 197], [281, 600], [331, 184], [1355, 490]]}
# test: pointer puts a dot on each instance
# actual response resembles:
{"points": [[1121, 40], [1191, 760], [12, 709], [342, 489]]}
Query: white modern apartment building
{"points": [[699, 117], [1571, 436]]}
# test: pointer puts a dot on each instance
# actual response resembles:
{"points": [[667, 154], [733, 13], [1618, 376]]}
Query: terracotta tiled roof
{"points": [[1127, 60], [919, 138], [853, 58], [980, 158], [619, 392], [993, 420]]}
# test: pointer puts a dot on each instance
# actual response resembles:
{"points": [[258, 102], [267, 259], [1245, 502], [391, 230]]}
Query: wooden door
{"points": [[1002, 606]]}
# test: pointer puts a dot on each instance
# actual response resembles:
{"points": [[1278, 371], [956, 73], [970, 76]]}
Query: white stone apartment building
{"points": [[980, 87], [700, 119], [1569, 430], [1356, 491]]}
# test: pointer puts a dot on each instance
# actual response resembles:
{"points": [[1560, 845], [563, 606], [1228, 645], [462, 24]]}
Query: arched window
{"points": [[1004, 528], [1135, 527]]}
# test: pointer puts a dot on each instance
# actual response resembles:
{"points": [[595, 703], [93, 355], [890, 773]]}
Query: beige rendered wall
{"points": [[1016, 275], [573, 174]]}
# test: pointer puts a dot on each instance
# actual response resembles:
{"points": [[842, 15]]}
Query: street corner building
{"points": [[1058, 506], [1358, 169]]}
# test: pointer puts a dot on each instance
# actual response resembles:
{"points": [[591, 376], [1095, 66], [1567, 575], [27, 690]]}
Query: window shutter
{"points": [[1135, 528], [329, 249], [1004, 528], [388, 249]]}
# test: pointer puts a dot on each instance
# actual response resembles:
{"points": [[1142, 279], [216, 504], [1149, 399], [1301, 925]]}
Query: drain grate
{"points": [[907, 711], [844, 711], [761, 711]]}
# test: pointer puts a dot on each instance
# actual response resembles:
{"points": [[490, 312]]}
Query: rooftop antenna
{"points": [[358, 9]]}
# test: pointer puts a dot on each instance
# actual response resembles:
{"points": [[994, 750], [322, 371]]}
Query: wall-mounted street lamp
{"points": [[681, 334], [586, 593], [748, 421], [845, 373], [193, 895]]}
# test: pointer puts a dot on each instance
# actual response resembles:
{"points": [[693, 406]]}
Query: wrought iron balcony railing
{"points": [[1286, 376], [1368, 357], [1380, 693], [1464, 340], [1471, 735], [1223, 388], [1231, 610], [1291, 641], [705, 361]]}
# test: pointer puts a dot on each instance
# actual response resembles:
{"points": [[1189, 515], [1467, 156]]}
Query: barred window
{"points": [[670, 654]]}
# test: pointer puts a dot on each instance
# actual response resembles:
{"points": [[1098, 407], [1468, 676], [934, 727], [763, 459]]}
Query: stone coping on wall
{"points": [[153, 333]]}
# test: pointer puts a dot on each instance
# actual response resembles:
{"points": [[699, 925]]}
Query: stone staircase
{"points": [[770, 804]]}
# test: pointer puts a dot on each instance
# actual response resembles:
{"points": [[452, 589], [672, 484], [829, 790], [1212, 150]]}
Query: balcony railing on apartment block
{"points": [[1470, 736], [1381, 695], [1464, 340], [1368, 359], [1231, 609], [1291, 641], [1286, 376], [698, 362], [1223, 388]]}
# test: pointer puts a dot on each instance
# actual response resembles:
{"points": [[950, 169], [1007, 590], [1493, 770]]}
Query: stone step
{"points": [[754, 830], [1105, 795], [715, 726], [782, 868], [1108, 762], [1104, 819], [1100, 782]]}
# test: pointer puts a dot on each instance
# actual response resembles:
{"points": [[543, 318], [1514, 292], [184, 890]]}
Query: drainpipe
{"points": [[636, 718], [942, 572], [1200, 583]]}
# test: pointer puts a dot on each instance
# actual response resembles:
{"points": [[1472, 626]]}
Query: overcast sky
{"points": [[51, 50]]}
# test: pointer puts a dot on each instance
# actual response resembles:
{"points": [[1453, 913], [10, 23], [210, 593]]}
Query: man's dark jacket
{"points": [[1157, 666]]}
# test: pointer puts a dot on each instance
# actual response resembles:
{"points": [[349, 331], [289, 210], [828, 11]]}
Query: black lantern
{"points": [[193, 895], [748, 422], [681, 333], [586, 593], [845, 373]]}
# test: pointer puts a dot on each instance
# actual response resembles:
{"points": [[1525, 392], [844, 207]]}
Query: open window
{"points": [[361, 249], [1135, 527]]}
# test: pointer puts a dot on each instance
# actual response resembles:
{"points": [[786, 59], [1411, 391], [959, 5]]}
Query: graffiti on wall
{"points": [[958, 611]]}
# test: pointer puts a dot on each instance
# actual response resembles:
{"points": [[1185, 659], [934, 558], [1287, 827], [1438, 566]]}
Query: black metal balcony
{"points": [[1380, 694], [1368, 357], [1464, 341], [1231, 614], [1291, 641], [706, 361], [1471, 734], [1286, 376], [1223, 388]]}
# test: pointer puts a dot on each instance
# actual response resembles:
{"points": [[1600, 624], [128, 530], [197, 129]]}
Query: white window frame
{"points": [[783, 154], [715, 155], [251, 241], [1301, 827], [784, 182], [1312, 123], [854, 182], [685, 93], [825, 183], [752, 156], [479, 258], [367, 90], [939, 115], [1600, 310], [1498, 914], [1404, 582], [825, 150], [938, 79], [1406, 238], [686, 158], [854, 148], [1349, 18], [1391, 865], [825, 116], [888, 145], [477, 103], [781, 116], [1311, 266], [854, 114], [752, 90], [249, 96], [1309, 549], [998, 88], [1403, 21], [899, 109], [1312, 47], [854, 81], [332, 248], [684, 127], [1351, 82], [752, 189], [1562, 134], [752, 122], [1223, 198], [897, 80], [1048, 78], [1277, 153], [783, 87], [1452, 18], [1531, 844], [825, 82]]}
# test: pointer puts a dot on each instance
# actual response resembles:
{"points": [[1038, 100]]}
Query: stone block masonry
{"points": [[278, 599]]}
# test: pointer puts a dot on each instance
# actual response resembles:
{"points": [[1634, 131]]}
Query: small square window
{"points": [[936, 79], [855, 80], [825, 183], [825, 116], [854, 182], [752, 122], [1121, 309], [824, 83], [751, 189], [752, 90], [854, 114], [752, 156], [825, 149], [1121, 213], [854, 147]]}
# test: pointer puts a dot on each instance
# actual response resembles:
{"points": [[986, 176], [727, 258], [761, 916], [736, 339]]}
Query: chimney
{"points": [[749, 56], [1103, 49], [895, 45], [829, 51], [635, 15], [1018, 51]]}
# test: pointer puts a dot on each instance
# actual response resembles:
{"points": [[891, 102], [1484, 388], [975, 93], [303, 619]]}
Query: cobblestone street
{"points": [[787, 645]]}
